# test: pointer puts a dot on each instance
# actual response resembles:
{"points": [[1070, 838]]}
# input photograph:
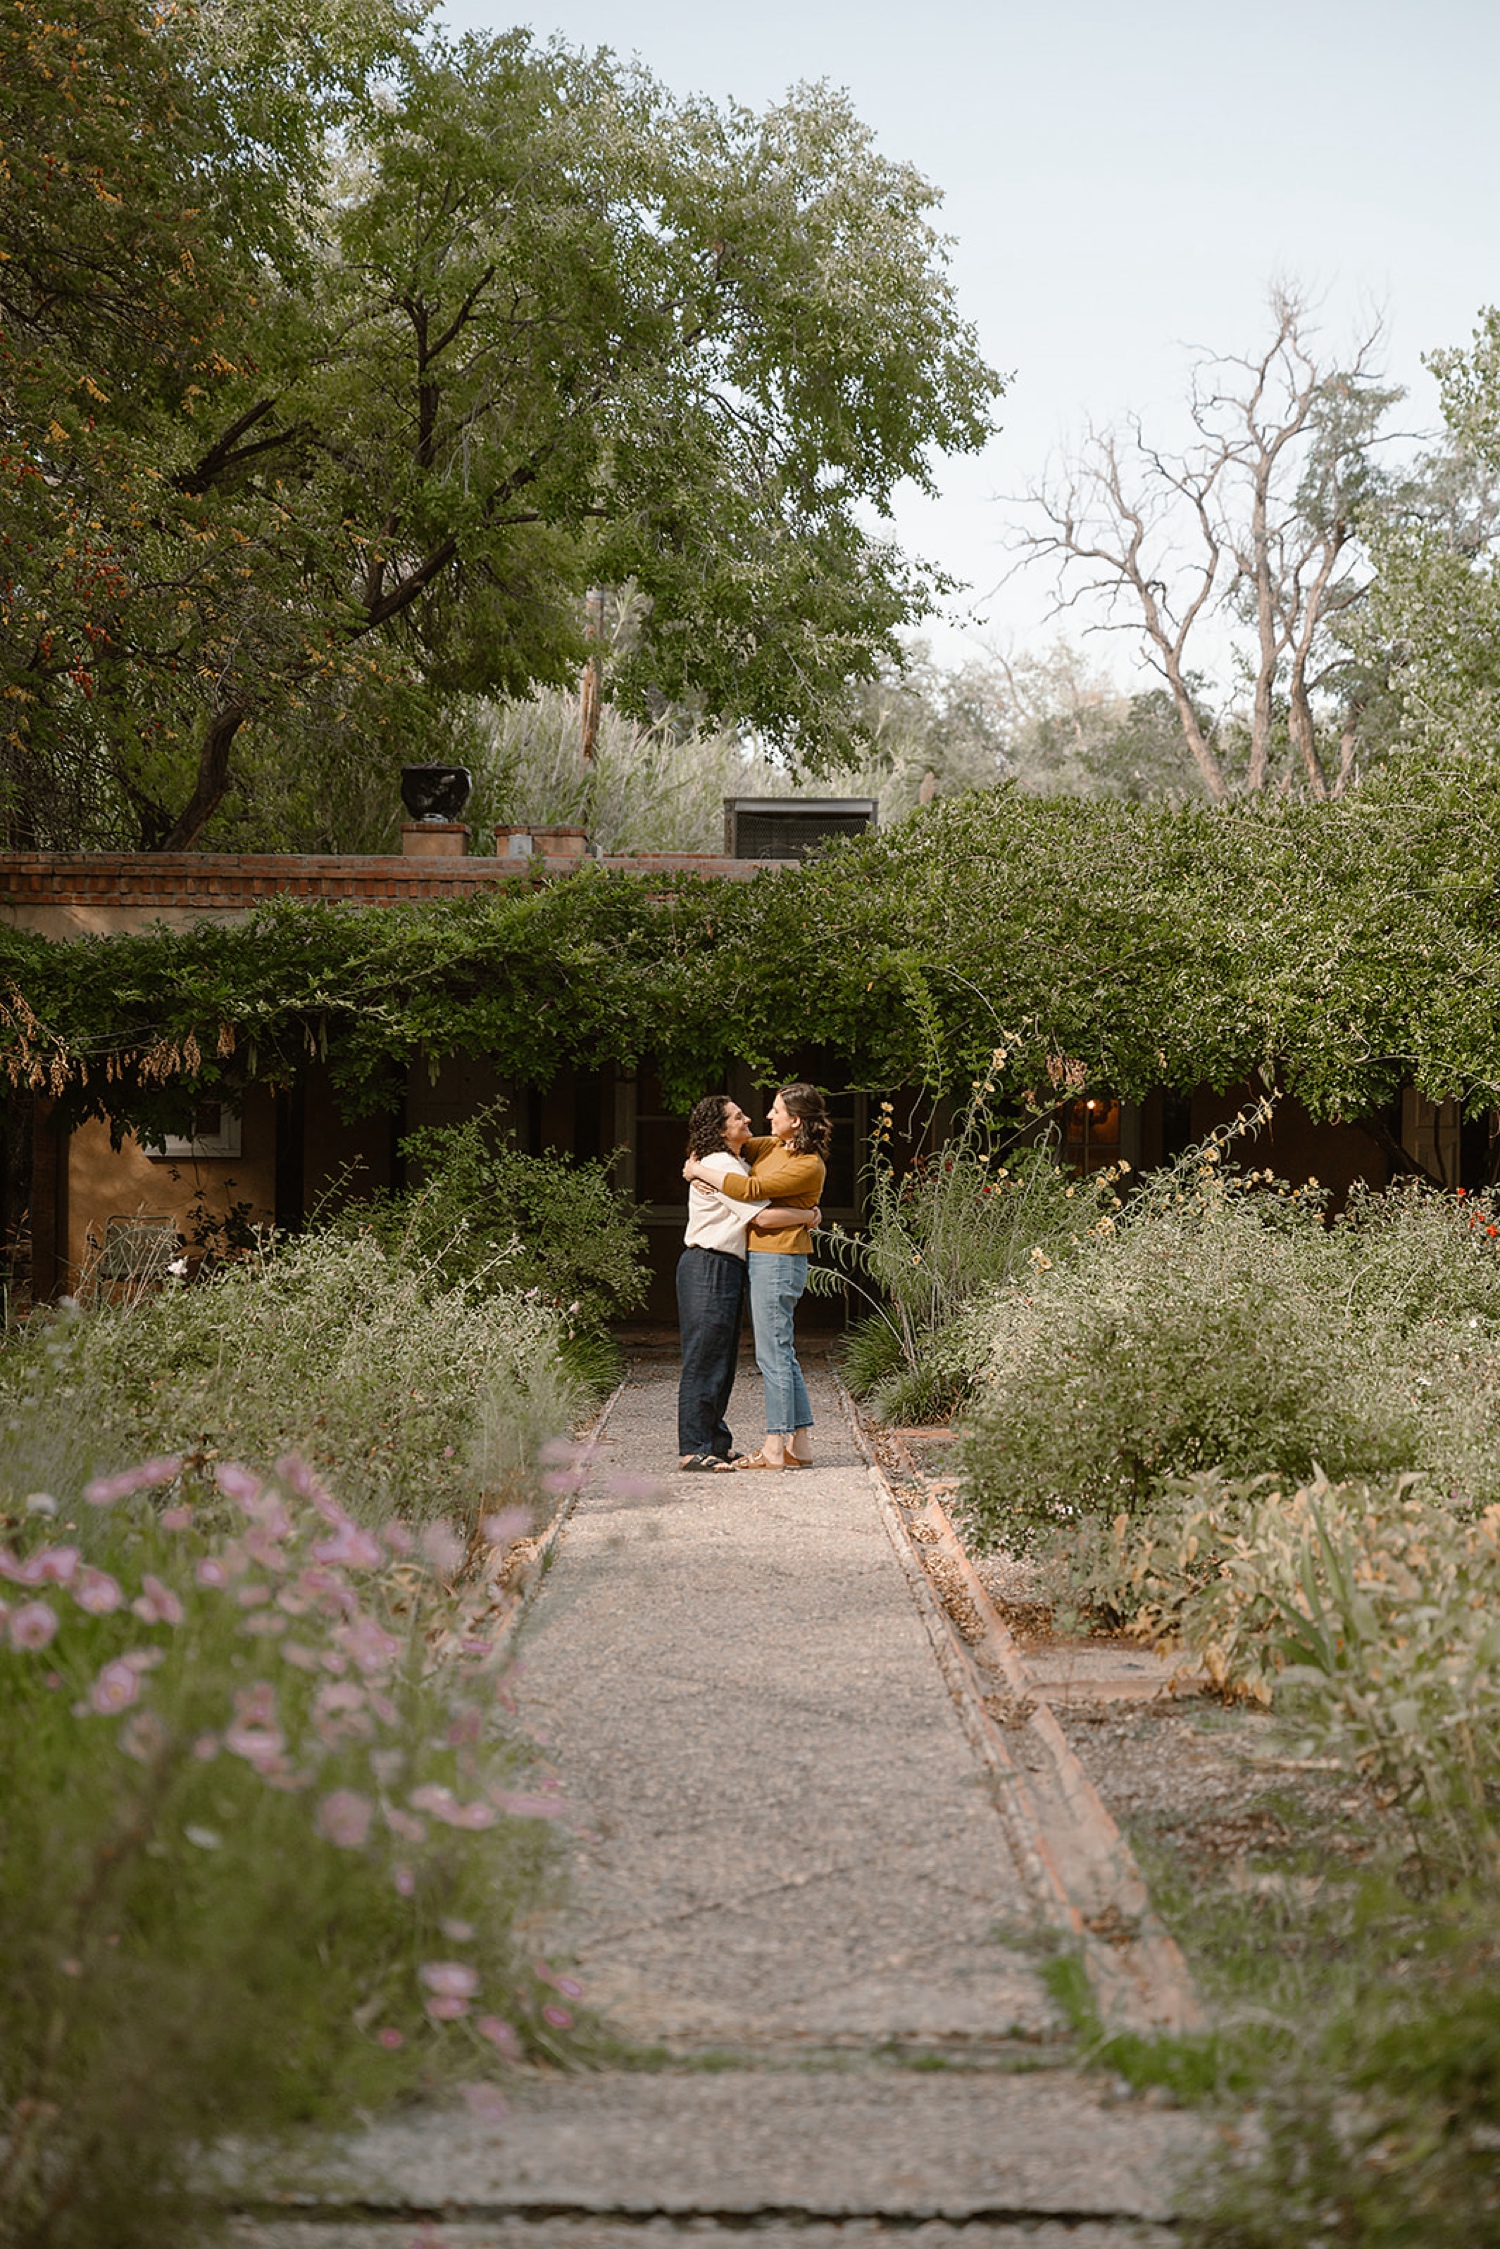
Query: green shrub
{"points": [[549, 1226], [1219, 1324], [374, 1366], [267, 1836]]}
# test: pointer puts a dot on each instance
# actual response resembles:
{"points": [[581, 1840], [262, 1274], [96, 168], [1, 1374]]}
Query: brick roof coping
{"points": [[208, 880]]}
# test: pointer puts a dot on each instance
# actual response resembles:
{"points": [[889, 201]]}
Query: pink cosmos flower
{"points": [[253, 1596], [450, 1979], [510, 1524], [211, 1572], [262, 1544], [559, 2018], [344, 1818], [176, 1518], [397, 1537], [293, 1470], [405, 1881], [295, 1653], [255, 1734], [116, 1688], [33, 1625], [157, 1603], [447, 2010], [373, 1649], [350, 1548], [236, 1482], [97, 1591], [384, 1709], [467, 1726], [521, 1807], [260, 1746], [457, 1932], [500, 2035], [402, 1824], [105, 1490], [265, 1624], [443, 1547], [330, 1590], [390, 2038], [485, 2103], [206, 1748], [444, 1805], [57, 1565], [557, 1453], [564, 1480], [28, 1572]]}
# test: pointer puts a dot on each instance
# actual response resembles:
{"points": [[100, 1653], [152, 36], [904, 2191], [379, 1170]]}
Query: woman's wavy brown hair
{"points": [[706, 1126], [814, 1133]]}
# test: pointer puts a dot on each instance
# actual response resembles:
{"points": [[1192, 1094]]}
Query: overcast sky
{"points": [[1123, 181]]}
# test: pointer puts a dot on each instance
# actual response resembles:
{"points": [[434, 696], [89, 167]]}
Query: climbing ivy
{"points": [[1341, 950]]}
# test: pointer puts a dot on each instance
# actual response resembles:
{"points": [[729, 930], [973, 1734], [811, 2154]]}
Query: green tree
{"points": [[155, 163], [539, 326], [1431, 636]]}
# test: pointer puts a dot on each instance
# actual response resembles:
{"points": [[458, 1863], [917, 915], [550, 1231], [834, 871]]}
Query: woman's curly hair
{"points": [[706, 1126], [814, 1133]]}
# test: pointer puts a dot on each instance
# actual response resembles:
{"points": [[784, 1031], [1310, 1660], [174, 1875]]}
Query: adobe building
{"points": [[100, 1218]]}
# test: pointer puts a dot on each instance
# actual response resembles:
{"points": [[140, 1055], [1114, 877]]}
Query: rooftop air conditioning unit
{"points": [[792, 827]]}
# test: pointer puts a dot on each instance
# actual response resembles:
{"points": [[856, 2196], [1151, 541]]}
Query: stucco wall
{"points": [[104, 1184]]}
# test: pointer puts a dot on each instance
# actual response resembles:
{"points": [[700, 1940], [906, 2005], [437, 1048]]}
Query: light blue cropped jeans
{"points": [[776, 1281]]}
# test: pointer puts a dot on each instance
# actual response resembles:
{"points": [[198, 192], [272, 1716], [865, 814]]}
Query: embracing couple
{"points": [[752, 1204]]}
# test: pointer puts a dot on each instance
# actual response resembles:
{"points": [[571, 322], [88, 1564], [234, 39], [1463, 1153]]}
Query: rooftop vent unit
{"points": [[792, 827]]}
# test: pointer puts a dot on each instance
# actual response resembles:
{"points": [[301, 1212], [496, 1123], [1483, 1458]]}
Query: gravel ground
{"points": [[1219, 1789]]}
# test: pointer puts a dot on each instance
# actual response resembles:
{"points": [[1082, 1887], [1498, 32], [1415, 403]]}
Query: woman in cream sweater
{"points": [[787, 1168]]}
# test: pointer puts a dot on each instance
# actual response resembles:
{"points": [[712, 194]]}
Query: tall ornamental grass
{"points": [[941, 1236], [270, 1843]]}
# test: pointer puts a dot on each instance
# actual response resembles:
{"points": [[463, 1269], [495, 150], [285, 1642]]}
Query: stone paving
{"points": [[795, 1903]]}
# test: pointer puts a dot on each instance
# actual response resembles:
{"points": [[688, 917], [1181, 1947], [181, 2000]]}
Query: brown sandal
{"points": [[759, 1460]]}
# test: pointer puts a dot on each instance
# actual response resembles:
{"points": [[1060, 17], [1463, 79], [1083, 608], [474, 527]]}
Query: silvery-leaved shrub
{"points": [[1221, 1323], [270, 1838], [378, 1369]]}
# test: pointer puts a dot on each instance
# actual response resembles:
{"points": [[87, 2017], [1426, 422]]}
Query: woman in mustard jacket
{"points": [[787, 1167]]}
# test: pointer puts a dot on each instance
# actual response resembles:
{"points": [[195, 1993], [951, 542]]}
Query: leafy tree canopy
{"points": [[338, 363]]}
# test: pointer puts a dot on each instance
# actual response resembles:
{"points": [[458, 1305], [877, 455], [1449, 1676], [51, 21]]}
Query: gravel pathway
{"points": [[795, 1904]]}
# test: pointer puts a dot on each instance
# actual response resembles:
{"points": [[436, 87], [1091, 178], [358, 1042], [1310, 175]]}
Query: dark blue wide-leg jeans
{"points": [[710, 1301]]}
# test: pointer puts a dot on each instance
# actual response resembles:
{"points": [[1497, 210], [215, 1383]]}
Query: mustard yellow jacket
{"points": [[778, 1176]]}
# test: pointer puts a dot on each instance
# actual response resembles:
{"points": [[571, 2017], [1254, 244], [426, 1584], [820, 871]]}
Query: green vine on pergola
{"points": [[1342, 950]]}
